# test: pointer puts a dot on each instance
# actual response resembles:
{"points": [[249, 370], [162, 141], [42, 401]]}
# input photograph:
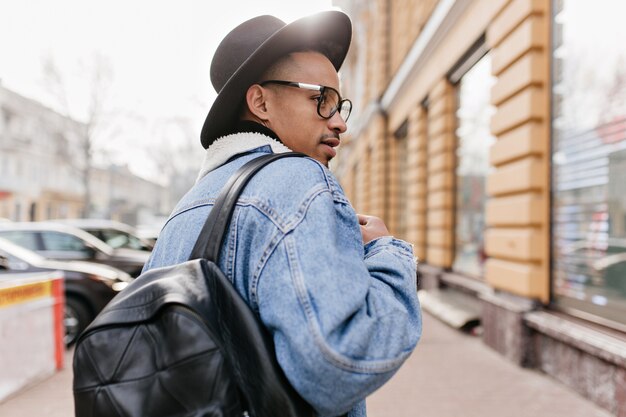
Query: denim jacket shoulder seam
{"points": [[265, 209], [194, 205], [303, 208], [291, 225], [330, 184], [242, 202]]}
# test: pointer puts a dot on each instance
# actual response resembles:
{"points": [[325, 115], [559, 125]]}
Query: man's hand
{"points": [[372, 228]]}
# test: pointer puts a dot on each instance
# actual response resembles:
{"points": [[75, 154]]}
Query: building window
{"points": [[17, 215], [589, 159], [474, 140]]}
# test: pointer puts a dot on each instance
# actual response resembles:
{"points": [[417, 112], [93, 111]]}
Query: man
{"points": [[336, 292]]}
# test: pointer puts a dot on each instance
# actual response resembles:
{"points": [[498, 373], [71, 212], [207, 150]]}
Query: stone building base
{"points": [[588, 358], [428, 277], [504, 329]]}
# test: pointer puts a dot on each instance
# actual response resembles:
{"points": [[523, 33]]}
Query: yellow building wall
{"points": [[471, 25], [417, 176], [517, 210], [393, 182], [441, 153], [408, 18]]}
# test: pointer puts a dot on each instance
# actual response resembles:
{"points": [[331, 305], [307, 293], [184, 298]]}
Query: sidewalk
{"points": [[452, 374], [449, 375], [49, 398]]}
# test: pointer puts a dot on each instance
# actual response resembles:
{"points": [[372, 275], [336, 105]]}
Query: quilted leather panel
{"points": [[169, 366]]}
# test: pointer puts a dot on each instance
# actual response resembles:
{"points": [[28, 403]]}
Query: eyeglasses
{"points": [[328, 102]]}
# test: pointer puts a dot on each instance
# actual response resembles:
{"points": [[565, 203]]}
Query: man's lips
{"points": [[332, 142]]}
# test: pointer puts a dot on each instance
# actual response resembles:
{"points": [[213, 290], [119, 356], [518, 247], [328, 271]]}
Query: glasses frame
{"points": [[321, 89]]}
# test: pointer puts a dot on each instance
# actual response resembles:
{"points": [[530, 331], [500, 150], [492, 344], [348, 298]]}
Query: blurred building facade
{"points": [[41, 170], [486, 133], [39, 161], [120, 195]]}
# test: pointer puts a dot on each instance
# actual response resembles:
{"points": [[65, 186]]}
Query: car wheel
{"points": [[77, 317]]}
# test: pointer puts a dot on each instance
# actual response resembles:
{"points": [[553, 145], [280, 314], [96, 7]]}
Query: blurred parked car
{"points": [[115, 234], [601, 264], [88, 287], [149, 233], [64, 242]]}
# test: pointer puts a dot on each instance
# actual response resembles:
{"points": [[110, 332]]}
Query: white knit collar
{"points": [[228, 146]]}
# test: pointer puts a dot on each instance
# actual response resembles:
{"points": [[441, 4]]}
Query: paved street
{"points": [[49, 398], [449, 375]]}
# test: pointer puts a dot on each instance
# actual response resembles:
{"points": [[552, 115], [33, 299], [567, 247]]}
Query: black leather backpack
{"points": [[180, 341]]}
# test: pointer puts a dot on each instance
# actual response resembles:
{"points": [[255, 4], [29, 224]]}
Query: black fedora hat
{"points": [[253, 46]]}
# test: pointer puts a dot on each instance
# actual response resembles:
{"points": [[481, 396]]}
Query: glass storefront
{"points": [[474, 140], [589, 158]]}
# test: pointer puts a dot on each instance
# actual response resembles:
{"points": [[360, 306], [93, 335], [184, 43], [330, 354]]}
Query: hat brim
{"points": [[330, 32]]}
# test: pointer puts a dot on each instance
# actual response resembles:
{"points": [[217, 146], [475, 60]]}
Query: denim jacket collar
{"points": [[228, 146]]}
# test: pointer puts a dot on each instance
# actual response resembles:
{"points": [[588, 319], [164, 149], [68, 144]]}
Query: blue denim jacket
{"points": [[344, 316]]}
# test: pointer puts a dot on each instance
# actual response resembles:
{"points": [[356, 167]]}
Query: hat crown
{"points": [[239, 45]]}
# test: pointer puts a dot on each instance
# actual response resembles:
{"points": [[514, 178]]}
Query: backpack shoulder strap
{"points": [[210, 239]]}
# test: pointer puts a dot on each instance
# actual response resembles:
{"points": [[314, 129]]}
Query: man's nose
{"points": [[337, 124]]}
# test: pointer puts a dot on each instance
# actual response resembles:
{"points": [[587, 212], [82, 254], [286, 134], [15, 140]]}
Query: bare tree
{"points": [[613, 106], [177, 154], [89, 110]]}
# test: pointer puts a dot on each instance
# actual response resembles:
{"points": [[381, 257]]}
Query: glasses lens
{"points": [[345, 109], [328, 102]]}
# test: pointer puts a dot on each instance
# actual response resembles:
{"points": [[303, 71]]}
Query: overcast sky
{"points": [[159, 53]]}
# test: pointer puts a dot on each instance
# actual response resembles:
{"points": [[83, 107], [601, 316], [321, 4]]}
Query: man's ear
{"points": [[256, 97]]}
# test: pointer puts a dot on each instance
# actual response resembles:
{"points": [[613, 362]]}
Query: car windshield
{"points": [[26, 239], [118, 239]]}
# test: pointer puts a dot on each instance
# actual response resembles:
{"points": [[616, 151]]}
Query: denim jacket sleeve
{"points": [[357, 304]]}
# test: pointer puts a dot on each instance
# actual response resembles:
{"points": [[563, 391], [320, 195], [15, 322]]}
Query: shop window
{"points": [[474, 140], [589, 159], [7, 118]]}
